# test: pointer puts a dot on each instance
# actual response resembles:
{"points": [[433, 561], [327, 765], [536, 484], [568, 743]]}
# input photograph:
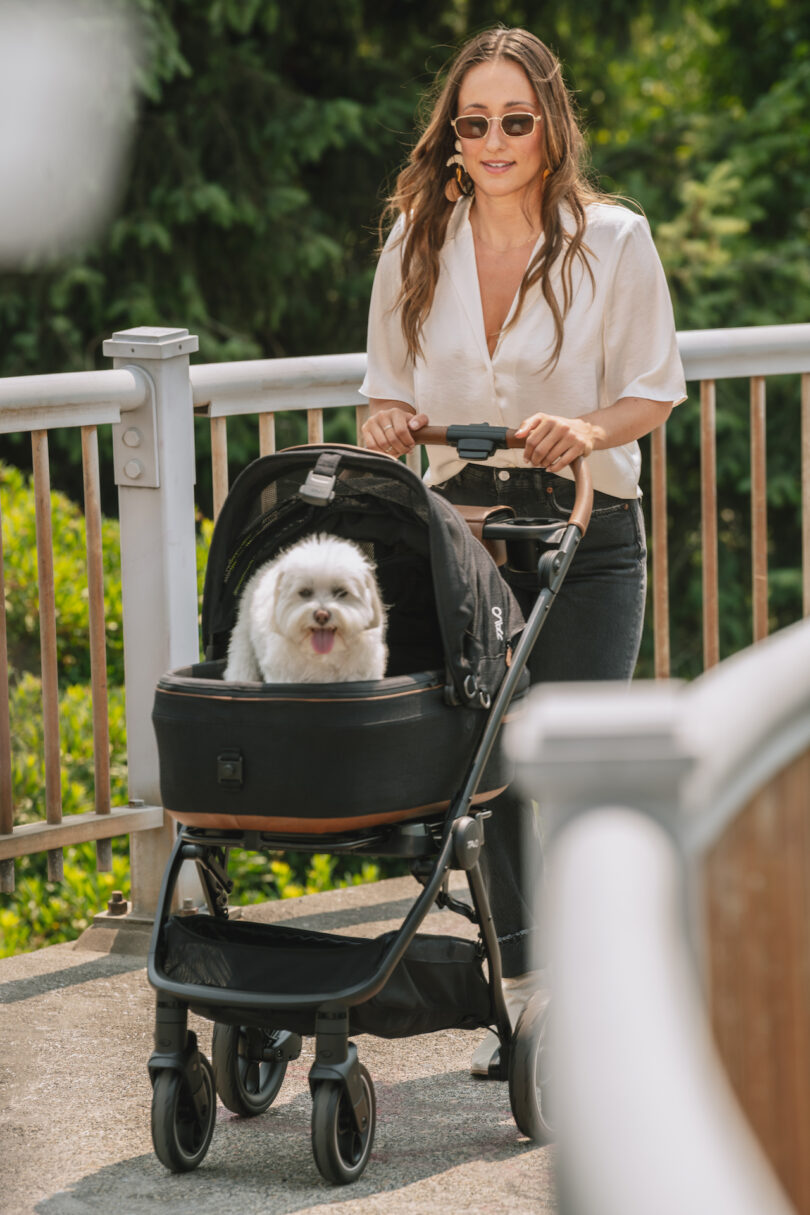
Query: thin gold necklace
{"points": [[508, 248]]}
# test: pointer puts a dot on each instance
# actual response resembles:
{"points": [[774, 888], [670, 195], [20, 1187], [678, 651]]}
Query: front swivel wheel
{"points": [[248, 1078], [182, 1126], [529, 1071], [340, 1148]]}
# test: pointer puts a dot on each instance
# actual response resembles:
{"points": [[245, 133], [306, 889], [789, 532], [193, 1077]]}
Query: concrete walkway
{"points": [[75, 1035]]}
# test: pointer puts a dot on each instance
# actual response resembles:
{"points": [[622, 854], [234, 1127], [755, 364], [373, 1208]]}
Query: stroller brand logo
{"points": [[497, 616]]}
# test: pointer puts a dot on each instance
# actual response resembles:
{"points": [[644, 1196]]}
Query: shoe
{"points": [[519, 990], [487, 1054], [517, 993]]}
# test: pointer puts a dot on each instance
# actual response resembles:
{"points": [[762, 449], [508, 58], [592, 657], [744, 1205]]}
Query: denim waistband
{"points": [[518, 480]]}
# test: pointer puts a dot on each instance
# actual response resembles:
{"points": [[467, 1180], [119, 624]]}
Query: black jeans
{"points": [[593, 631]]}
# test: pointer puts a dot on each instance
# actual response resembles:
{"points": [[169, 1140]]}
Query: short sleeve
{"points": [[390, 364], [640, 346]]}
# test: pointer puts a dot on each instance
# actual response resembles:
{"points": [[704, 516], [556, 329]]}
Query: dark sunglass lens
{"points": [[517, 124], [473, 127]]}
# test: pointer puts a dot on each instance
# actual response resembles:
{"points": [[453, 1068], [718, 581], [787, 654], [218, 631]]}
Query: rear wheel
{"points": [[247, 1084], [341, 1151], [529, 1071], [181, 1133]]}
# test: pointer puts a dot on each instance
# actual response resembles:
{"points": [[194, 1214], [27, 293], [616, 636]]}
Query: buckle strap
{"points": [[319, 487]]}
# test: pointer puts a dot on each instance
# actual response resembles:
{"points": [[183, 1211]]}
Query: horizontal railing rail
{"points": [[73, 398]]}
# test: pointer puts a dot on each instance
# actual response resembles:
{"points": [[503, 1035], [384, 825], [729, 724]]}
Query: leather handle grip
{"points": [[436, 436]]}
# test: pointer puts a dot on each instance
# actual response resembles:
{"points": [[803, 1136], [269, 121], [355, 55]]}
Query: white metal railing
{"points": [[640, 785], [149, 398]]}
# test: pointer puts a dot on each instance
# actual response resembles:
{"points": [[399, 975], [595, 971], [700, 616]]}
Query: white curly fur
{"points": [[311, 615]]}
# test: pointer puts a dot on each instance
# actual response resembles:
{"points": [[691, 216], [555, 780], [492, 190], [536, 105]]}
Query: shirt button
{"points": [[503, 475]]}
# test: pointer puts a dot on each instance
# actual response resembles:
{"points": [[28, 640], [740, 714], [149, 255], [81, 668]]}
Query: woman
{"points": [[510, 291]]}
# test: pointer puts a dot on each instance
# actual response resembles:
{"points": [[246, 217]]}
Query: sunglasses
{"points": [[476, 126]]}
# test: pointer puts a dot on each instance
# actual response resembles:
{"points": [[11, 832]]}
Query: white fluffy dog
{"points": [[311, 615]]}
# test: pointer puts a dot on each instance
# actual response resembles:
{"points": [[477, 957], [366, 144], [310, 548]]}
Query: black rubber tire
{"points": [[529, 1072], [246, 1086], [180, 1137], [341, 1151]]}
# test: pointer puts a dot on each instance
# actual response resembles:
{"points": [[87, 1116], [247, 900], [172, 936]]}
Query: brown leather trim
{"points": [[310, 700], [583, 504], [313, 826], [476, 516]]}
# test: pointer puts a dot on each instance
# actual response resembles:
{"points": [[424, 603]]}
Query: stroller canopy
{"points": [[448, 606]]}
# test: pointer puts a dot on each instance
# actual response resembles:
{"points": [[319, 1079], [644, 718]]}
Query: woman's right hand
{"points": [[388, 428]]}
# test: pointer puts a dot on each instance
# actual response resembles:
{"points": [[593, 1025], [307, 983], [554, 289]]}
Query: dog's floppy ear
{"points": [[273, 598], [377, 609], [263, 603]]}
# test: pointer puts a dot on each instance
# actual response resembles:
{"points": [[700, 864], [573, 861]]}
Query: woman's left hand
{"points": [[553, 442]]}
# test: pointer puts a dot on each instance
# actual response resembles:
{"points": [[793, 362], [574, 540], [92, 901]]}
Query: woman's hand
{"points": [[388, 428], [553, 442]]}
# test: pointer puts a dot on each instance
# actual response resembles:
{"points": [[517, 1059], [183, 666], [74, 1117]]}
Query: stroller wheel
{"points": [[181, 1134], [341, 1151], [529, 1071], [247, 1085]]}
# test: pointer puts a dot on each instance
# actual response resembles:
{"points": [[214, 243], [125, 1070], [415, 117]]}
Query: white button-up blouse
{"points": [[619, 341]]}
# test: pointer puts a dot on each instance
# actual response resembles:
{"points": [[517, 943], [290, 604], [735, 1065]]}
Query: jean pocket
{"points": [[604, 505]]}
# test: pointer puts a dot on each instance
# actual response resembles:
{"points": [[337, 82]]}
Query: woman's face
{"points": [[500, 164]]}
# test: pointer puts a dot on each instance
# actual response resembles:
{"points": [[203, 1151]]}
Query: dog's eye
{"points": [[339, 592], [305, 592]]}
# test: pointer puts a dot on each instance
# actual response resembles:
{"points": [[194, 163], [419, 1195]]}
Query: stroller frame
{"points": [[343, 1097]]}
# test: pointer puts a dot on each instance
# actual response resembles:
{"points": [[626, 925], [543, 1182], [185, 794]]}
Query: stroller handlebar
{"points": [[480, 440], [476, 441]]}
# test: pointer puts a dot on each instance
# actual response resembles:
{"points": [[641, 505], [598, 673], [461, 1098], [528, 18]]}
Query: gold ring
{"points": [[389, 428]]}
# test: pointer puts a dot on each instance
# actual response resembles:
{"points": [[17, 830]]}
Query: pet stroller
{"points": [[237, 771]]}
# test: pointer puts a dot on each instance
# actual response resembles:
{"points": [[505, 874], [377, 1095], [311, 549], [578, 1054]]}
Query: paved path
{"points": [[75, 1034]]}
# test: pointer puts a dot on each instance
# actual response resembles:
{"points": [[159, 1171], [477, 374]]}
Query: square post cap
{"points": [[146, 342]]}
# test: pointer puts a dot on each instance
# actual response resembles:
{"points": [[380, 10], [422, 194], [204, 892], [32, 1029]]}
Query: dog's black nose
{"points": [[322, 616]]}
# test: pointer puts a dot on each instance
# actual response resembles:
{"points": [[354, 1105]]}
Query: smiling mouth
{"points": [[497, 165], [322, 640]]}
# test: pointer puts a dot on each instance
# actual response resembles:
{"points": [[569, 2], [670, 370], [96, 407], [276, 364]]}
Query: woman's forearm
{"points": [[554, 442], [377, 405], [630, 418]]}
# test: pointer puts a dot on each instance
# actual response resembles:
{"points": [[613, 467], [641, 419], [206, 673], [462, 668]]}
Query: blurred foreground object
{"points": [[675, 820], [67, 105]]}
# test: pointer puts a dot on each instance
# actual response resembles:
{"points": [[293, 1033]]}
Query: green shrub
{"points": [[47, 913], [76, 739]]}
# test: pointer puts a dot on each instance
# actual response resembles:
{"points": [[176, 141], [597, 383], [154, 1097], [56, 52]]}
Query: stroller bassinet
{"points": [[268, 767], [287, 757]]}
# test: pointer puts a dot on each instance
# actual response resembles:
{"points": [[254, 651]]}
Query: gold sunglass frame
{"points": [[499, 119]]}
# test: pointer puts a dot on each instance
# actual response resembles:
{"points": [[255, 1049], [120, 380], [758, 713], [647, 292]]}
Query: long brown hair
{"points": [[419, 191]]}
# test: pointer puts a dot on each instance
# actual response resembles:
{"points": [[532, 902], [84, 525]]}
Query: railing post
{"points": [[154, 471]]}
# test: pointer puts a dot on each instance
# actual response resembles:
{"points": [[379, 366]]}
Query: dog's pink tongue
{"points": [[323, 640]]}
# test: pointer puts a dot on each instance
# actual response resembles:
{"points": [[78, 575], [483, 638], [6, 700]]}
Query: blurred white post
{"points": [[154, 471], [645, 1116], [68, 100]]}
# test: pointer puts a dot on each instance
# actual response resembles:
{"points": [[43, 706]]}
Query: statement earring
{"points": [[460, 184]]}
